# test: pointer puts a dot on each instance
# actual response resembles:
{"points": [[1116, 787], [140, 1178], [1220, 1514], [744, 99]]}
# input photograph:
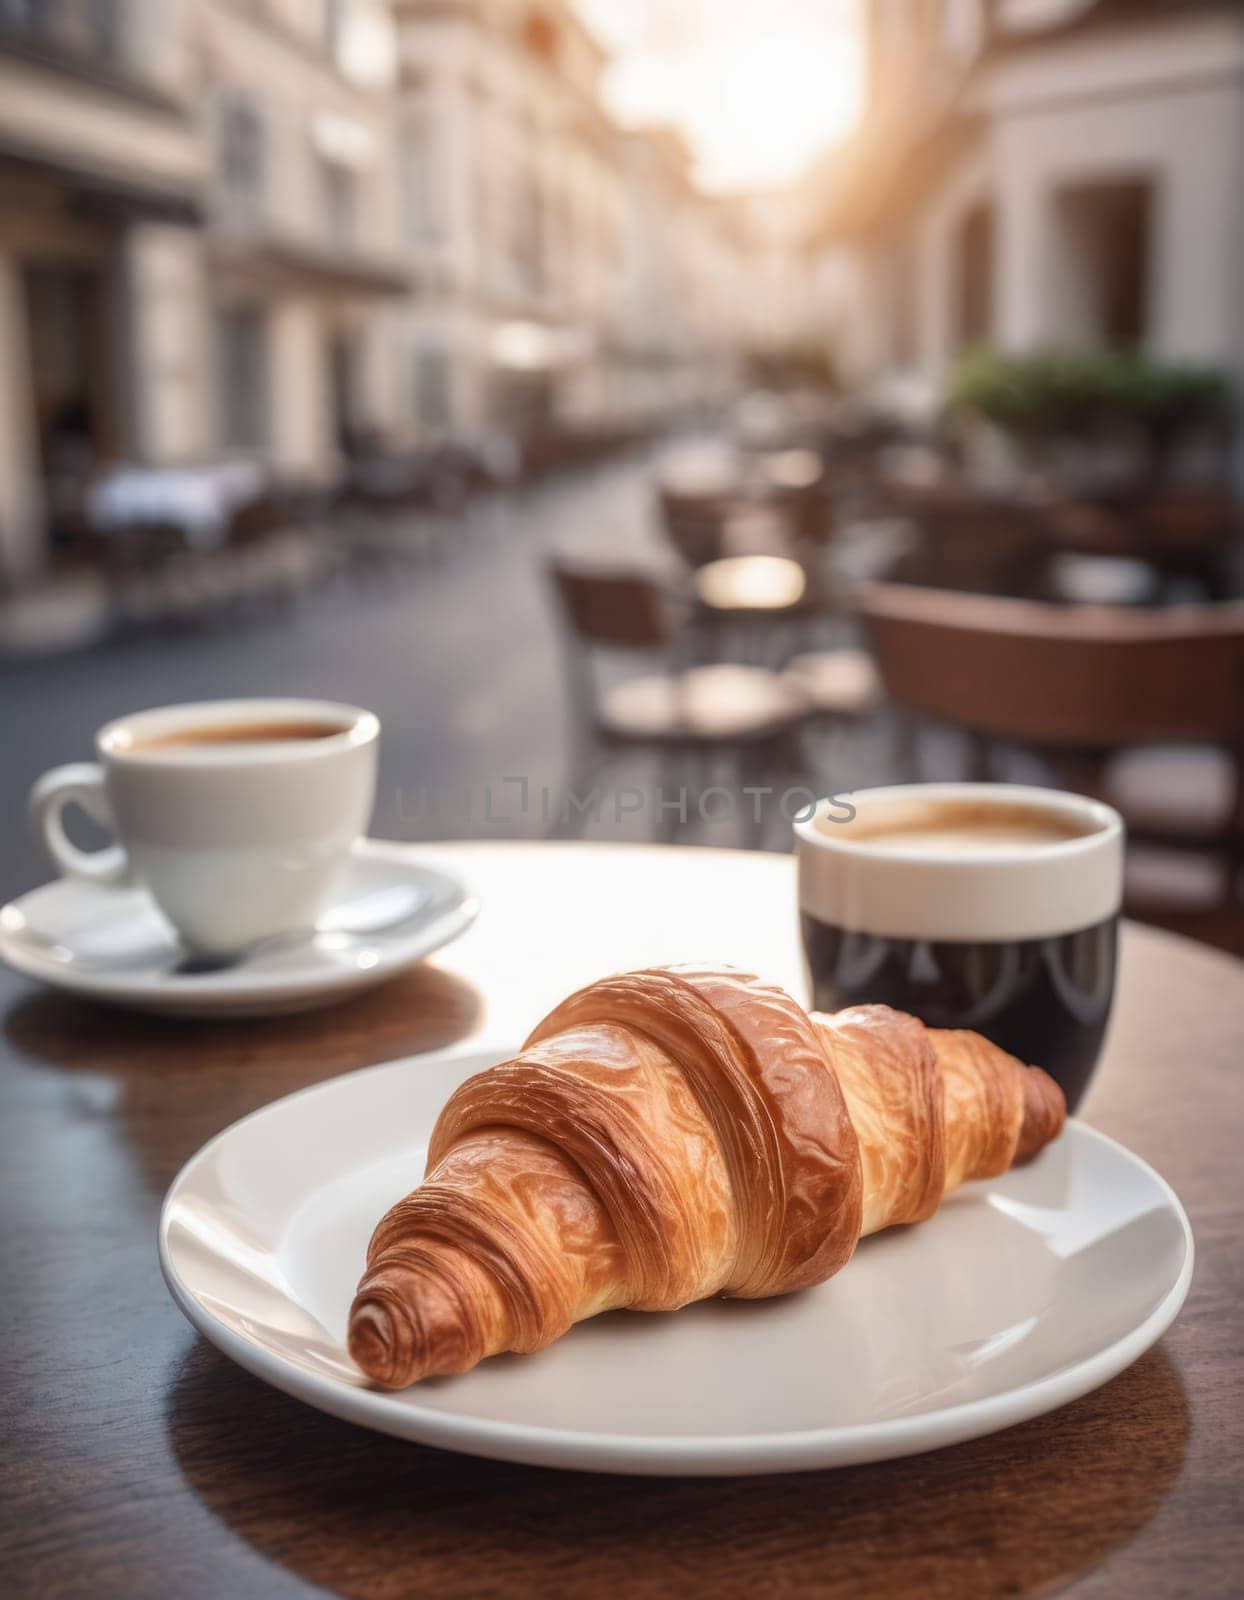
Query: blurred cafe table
{"points": [[749, 585], [717, 501], [140, 1462], [197, 501], [756, 609], [793, 471]]}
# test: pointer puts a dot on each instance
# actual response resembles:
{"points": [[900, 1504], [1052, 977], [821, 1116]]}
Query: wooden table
{"points": [[137, 1461]]}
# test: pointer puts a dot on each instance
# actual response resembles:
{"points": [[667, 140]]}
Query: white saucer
{"points": [[1021, 1294], [389, 912]]}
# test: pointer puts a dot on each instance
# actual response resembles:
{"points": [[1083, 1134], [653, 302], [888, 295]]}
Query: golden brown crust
{"points": [[984, 1104], [1045, 1112], [885, 1062], [671, 1134], [752, 1059]]}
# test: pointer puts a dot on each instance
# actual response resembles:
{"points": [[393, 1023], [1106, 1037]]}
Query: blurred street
{"points": [[454, 642], [455, 650]]}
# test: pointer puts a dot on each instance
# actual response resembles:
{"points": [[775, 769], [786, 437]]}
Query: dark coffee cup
{"points": [[993, 907]]}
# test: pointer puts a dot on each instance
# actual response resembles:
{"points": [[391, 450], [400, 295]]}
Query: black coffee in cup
{"points": [[981, 906]]}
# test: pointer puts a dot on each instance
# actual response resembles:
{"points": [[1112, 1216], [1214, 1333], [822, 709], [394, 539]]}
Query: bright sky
{"points": [[758, 86]]}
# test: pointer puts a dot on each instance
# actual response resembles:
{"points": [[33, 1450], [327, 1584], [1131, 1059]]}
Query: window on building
{"points": [[485, 212], [338, 201], [87, 27], [974, 268], [528, 221], [1102, 262], [564, 241], [420, 180], [242, 361], [72, 381], [904, 303], [344, 360], [240, 153], [431, 387], [334, 23]]}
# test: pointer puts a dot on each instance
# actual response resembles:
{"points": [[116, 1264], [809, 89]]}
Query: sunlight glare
{"points": [[767, 105], [758, 88]]}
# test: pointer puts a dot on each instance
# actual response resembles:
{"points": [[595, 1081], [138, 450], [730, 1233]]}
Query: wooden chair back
{"points": [[972, 541], [695, 524], [254, 520], [615, 608], [1087, 676]]}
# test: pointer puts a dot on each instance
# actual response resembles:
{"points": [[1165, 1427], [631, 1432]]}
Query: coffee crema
{"points": [[949, 828], [237, 733]]}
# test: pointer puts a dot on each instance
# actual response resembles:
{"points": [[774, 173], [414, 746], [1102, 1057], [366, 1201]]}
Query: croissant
{"points": [[672, 1134]]}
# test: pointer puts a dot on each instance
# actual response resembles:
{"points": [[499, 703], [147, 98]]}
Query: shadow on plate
{"points": [[146, 1080], [359, 1514]]}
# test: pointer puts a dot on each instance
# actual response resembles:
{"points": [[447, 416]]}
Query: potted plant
{"points": [[1098, 421]]}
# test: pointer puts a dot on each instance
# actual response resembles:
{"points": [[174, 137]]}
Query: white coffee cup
{"points": [[236, 815]]}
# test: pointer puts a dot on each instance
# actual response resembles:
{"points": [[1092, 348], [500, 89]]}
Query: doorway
{"points": [[72, 394], [1104, 241], [344, 359], [974, 274]]}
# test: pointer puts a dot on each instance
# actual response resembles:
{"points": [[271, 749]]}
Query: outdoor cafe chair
{"points": [[1143, 707], [687, 715]]}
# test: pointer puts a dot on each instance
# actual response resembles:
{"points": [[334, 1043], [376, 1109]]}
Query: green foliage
{"points": [[1060, 392]]}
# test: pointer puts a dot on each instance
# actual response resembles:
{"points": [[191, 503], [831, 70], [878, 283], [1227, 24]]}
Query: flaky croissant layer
{"points": [[672, 1134]]}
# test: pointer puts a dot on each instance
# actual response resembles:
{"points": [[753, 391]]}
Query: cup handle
{"points": [[80, 783]]}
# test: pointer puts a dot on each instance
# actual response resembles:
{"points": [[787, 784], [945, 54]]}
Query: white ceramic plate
{"points": [[388, 912], [1021, 1294]]}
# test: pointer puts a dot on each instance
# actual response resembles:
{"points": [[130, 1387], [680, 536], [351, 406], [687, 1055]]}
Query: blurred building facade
{"points": [[101, 166], [785, 311], [302, 257], [274, 228], [1040, 173], [196, 233], [567, 272], [682, 320], [510, 208]]}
